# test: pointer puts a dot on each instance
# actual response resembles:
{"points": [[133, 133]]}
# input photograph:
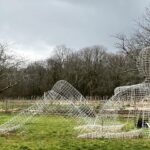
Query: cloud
{"points": [[36, 26]]}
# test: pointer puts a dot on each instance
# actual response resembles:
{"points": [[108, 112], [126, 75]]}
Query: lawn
{"points": [[56, 133]]}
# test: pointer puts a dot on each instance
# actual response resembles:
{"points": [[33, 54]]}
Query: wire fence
{"points": [[16, 105]]}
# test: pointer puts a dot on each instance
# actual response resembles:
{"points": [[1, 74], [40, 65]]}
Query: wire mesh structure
{"points": [[62, 95], [117, 119], [77, 106]]}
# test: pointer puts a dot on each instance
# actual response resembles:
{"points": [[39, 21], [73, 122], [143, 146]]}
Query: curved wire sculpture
{"points": [[62, 92]]}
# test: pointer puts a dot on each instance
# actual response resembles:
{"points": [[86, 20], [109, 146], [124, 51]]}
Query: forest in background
{"points": [[94, 71]]}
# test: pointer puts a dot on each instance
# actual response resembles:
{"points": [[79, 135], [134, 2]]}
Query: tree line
{"points": [[94, 71]]}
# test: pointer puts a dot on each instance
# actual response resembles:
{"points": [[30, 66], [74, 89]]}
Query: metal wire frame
{"points": [[63, 92], [133, 93]]}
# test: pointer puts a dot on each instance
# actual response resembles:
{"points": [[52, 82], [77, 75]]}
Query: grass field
{"points": [[56, 133]]}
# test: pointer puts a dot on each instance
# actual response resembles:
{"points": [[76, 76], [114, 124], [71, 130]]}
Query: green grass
{"points": [[56, 133]]}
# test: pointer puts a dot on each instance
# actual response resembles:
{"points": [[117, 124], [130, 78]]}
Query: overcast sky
{"points": [[33, 27]]}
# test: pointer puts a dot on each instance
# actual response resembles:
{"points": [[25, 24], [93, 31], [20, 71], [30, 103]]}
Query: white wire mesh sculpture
{"points": [[62, 92], [107, 124]]}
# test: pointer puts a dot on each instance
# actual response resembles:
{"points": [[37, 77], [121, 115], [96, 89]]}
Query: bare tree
{"points": [[140, 38], [8, 69]]}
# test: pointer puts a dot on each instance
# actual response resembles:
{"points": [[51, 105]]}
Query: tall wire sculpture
{"points": [[108, 123]]}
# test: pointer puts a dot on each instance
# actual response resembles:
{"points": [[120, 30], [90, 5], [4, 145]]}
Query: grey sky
{"points": [[33, 27]]}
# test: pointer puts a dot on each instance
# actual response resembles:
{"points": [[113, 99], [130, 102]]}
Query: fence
{"points": [[15, 105], [8, 105]]}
